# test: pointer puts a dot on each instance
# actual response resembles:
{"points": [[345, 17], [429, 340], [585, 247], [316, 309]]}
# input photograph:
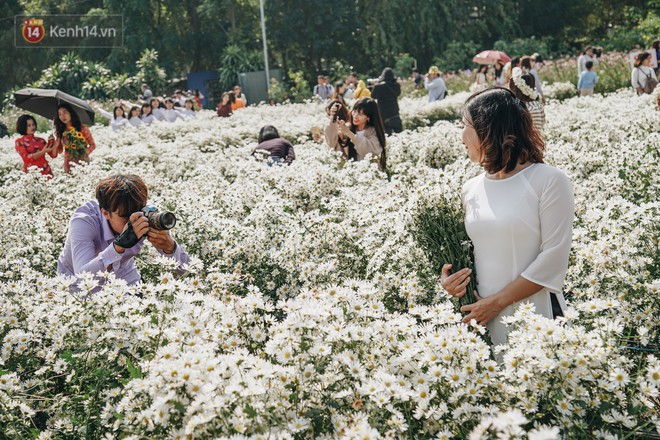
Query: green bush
{"points": [[236, 59], [524, 46], [149, 72], [457, 56], [71, 73], [403, 65]]}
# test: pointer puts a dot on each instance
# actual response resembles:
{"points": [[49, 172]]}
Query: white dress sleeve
{"points": [[556, 211]]}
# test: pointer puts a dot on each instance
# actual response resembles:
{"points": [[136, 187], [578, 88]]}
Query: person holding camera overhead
{"points": [[107, 233]]}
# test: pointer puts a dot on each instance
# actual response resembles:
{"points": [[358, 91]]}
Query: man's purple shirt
{"points": [[89, 247]]}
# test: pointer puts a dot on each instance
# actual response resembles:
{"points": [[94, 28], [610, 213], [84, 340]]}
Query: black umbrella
{"points": [[44, 102]]}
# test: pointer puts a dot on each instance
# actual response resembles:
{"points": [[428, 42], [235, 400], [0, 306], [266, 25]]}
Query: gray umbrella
{"points": [[44, 102]]}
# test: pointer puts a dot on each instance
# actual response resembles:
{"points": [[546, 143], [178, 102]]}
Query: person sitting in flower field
{"points": [[361, 134], [277, 149], [72, 137], [519, 216], [107, 233], [33, 149], [522, 85]]}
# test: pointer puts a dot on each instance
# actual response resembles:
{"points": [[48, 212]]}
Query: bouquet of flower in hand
{"points": [[75, 144], [439, 229]]}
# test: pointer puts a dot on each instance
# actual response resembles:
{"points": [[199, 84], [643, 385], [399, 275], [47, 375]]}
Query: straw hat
{"points": [[434, 70]]}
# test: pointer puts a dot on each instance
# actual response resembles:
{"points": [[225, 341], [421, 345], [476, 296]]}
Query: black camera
{"points": [[159, 220]]}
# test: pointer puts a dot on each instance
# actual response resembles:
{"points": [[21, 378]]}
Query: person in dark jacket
{"points": [[386, 92], [274, 147]]}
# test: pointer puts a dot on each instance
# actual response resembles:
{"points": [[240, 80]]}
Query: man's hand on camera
{"points": [[161, 240], [136, 228]]}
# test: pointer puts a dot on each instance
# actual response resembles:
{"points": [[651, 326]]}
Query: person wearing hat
{"points": [[434, 83]]}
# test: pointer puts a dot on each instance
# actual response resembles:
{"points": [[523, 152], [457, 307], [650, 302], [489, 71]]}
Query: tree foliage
{"points": [[312, 36]]}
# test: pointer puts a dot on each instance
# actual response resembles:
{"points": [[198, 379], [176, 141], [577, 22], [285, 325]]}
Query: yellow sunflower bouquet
{"points": [[75, 144]]}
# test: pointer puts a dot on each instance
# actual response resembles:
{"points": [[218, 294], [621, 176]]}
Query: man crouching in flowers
{"points": [[105, 234]]}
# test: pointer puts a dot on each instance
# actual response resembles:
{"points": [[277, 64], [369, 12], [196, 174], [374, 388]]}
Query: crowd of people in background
{"points": [[362, 113]]}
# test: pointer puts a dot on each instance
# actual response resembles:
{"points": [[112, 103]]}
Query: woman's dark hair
{"points": [[499, 67], [145, 105], [482, 69], [529, 80], [526, 62], [656, 45], [232, 97], [21, 124], [169, 100], [344, 115], [639, 59], [114, 111], [504, 126], [515, 62], [123, 194], [369, 108], [151, 102], [267, 133], [387, 75], [587, 49], [192, 101], [133, 109], [61, 126]]}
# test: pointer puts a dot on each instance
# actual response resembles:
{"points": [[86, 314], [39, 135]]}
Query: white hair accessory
{"points": [[516, 76]]}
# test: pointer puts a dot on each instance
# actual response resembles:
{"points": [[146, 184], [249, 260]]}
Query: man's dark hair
{"points": [[267, 133], [21, 124], [589, 65], [122, 194]]}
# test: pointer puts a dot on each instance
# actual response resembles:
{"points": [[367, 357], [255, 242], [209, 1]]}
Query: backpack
{"points": [[651, 83]]}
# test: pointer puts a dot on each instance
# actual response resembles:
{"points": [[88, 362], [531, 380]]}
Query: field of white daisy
{"points": [[309, 310]]}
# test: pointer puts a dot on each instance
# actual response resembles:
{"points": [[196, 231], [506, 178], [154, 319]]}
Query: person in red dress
{"points": [[33, 149], [65, 120]]}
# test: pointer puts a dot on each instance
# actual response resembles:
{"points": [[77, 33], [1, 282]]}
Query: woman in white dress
{"points": [[519, 215]]}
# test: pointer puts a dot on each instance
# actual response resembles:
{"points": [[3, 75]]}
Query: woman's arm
{"points": [[485, 309], [332, 136], [366, 144], [105, 114], [88, 137]]}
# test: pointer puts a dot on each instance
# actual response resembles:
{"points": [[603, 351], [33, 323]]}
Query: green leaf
{"points": [[251, 412], [135, 372], [67, 356]]}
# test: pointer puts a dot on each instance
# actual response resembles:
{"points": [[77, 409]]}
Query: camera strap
{"points": [[127, 239]]}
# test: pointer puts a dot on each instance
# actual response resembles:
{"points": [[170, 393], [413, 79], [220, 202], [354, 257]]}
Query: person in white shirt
{"points": [[642, 73], [518, 213], [145, 114], [134, 117], [179, 98], [170, 114], [118, 119], [157, 109], [587, 55], [188, 110]]}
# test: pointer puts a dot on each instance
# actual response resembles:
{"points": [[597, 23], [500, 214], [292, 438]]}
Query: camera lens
{"points": [[166, 220]]}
